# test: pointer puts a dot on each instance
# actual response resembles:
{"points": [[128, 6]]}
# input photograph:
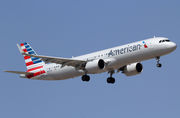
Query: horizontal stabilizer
{"points": [[18, 72]]}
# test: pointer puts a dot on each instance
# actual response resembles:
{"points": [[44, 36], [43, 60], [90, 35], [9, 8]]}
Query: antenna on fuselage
{"points": [[154, 36]]}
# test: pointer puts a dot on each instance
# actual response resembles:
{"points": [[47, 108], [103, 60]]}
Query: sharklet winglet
{"points": [[21, 51]]}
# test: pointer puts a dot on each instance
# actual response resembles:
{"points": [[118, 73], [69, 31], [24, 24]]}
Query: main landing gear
{"points": [[85, 78], [110, 79], [158, 64]]}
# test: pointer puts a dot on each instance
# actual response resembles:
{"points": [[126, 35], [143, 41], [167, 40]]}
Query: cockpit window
{"points": [[162, 41]]}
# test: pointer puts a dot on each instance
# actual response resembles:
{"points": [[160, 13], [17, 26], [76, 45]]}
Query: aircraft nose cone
{"points": [[172, 46]]}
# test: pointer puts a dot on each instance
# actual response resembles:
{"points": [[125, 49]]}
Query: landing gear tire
{"points": [[110, 80], [85, 78], [159, 65]]}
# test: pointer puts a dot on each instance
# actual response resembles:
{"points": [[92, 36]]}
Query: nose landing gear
{"points": [[158, 64]]}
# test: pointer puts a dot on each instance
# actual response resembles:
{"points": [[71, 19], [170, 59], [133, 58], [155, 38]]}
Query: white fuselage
{"points": [[116, 58]]}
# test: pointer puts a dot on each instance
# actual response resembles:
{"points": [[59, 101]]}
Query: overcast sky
{"points": [[76, 27]]}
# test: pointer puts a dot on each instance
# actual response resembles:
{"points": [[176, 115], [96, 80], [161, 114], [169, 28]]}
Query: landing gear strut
{"points": [[110, 79], [158, 64]]}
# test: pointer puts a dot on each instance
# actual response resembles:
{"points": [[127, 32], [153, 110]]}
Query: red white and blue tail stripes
{"points": [[33, 64]]}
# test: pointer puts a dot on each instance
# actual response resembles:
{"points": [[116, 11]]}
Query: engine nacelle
{"points": [[133, 69], [95, 66]]}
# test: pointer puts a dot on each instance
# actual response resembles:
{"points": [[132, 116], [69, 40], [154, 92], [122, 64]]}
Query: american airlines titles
{"points": [[129, 48]]}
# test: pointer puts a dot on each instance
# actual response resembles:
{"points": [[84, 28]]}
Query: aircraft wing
{"points": [[63, 61], [78, 64]]}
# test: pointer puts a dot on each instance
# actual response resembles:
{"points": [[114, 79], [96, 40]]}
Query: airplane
{"points": [[125, 58]]}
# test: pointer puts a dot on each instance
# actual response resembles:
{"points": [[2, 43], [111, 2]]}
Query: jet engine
{"points": [[95, 65], [133, 69]]}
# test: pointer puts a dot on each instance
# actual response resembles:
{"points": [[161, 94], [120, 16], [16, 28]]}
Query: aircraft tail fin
{"points": [[33, 64]]}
